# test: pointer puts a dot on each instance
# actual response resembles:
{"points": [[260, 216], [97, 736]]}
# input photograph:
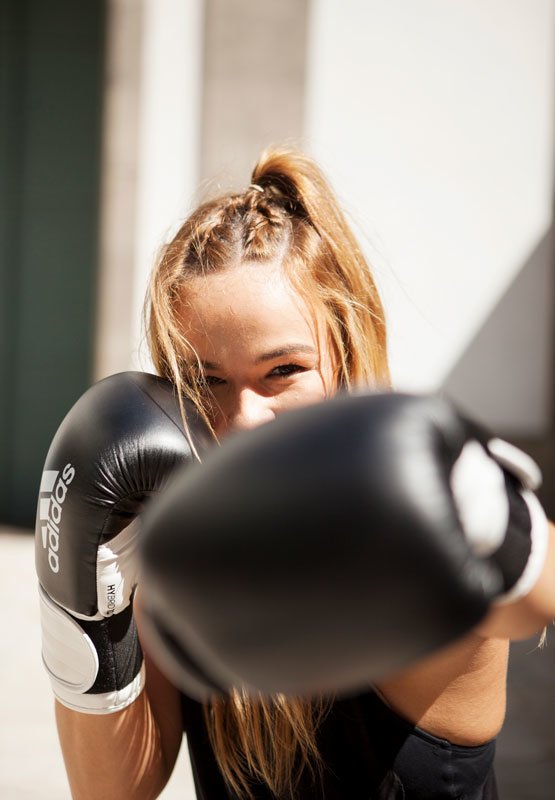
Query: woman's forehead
{"points": [[253, 297], [246, 311]]}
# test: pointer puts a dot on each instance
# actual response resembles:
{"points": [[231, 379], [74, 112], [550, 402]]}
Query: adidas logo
{"points": [[54, 486]]}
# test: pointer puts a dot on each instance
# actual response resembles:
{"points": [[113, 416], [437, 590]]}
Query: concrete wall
{"points": [[254, 84], [435, 121]]}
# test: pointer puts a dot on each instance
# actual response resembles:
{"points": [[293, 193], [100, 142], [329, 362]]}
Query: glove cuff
{"points": [[105, 703], [539, 538], [94, 666]]}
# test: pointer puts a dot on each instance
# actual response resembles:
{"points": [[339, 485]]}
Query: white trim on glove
{"points": [[71, 662]]}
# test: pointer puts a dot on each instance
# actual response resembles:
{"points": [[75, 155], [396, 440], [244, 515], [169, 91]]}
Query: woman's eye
{"points": [[213, 380], [286, 369]]}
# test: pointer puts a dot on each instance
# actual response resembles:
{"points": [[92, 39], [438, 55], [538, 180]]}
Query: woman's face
{"points": [[262, 353]]}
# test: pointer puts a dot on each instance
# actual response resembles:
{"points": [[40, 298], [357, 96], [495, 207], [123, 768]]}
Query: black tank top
{"points": [[369, 752]]}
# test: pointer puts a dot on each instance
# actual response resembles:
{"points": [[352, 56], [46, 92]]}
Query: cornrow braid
{"points": [[265, 225], [248, 226]]}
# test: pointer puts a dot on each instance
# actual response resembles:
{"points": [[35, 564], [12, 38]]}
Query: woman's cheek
{"points": [[310, 389]]}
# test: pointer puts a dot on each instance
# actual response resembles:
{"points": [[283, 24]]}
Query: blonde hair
{"points": [[289, 215]]}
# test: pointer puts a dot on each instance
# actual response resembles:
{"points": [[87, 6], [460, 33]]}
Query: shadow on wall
{"points": [[505, 376]]}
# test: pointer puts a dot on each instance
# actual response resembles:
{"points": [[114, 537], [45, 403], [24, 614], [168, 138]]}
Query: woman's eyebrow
{"points": [[278, 352], [286, 350]]}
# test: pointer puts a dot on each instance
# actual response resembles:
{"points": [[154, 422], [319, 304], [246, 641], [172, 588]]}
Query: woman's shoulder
{"points": [[458, 693]]}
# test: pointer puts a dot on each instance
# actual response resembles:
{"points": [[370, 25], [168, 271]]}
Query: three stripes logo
{"points": [[53, 492]]}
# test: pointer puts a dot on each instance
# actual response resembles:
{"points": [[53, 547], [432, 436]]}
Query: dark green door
{"points": [[50, 125]]}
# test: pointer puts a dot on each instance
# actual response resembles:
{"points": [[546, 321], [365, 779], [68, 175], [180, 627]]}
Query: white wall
{"points": [[435, 122], [168, 156], [151, 159]]}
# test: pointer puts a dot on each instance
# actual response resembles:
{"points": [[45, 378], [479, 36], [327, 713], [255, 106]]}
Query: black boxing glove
{"points": [[116, 447], [338, 544]]}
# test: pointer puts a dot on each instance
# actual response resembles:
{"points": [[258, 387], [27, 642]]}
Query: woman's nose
{"points": [[250, 410]]}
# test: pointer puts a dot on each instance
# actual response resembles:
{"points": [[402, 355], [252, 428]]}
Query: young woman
{"points": [[263, 302]]}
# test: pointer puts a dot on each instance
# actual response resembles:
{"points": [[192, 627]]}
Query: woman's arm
{"points": [[459, 691], [528, 614], [130, 754]]}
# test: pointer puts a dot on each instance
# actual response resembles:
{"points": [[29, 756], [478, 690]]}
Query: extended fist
{"points": [[337, 544]]}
